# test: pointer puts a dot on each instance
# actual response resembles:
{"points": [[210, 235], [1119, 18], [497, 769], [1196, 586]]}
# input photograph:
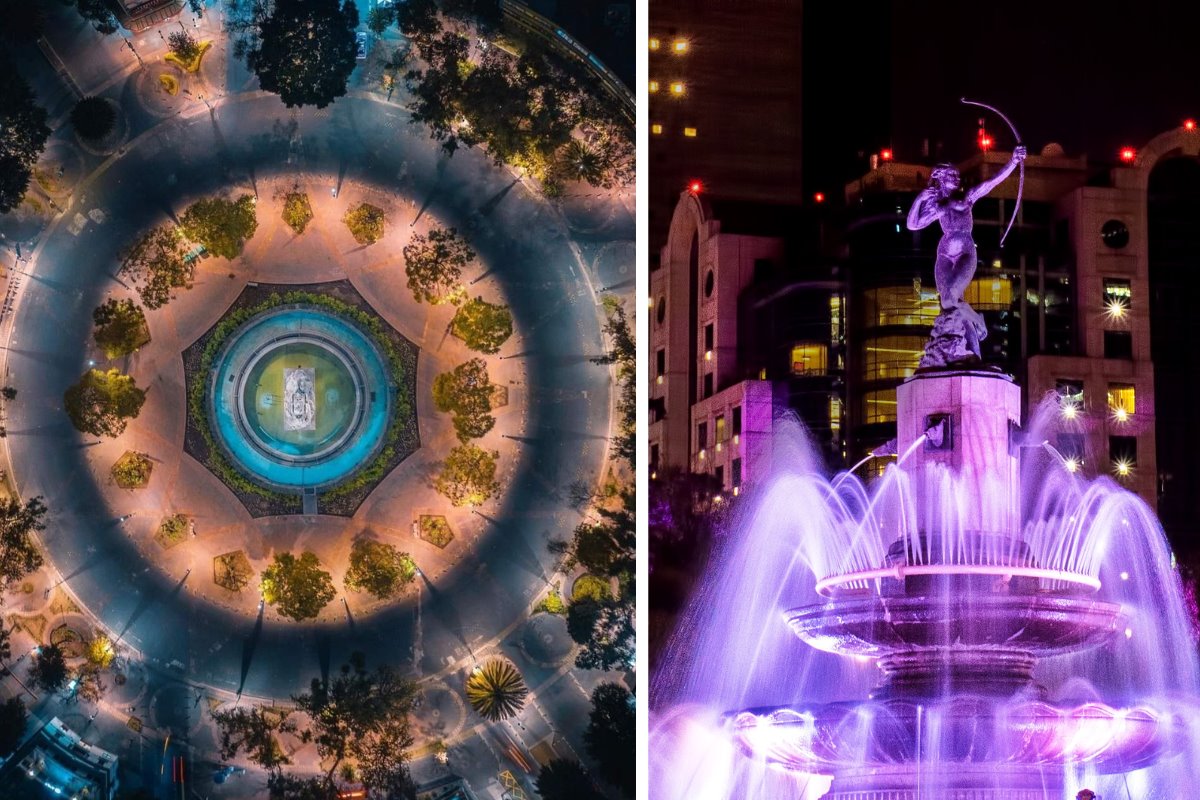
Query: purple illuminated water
{"points": [[960, 647]]}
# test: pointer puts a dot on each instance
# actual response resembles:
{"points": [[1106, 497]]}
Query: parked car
{"points": [[360, 39]]}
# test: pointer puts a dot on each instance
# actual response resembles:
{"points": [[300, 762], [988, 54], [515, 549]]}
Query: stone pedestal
{"points": [[977, 411]]}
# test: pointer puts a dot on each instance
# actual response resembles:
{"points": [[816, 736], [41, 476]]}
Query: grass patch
{"points": [[589, 587], [552, 603], [435, 530], [297, 211], [232, 571], [132, 470], [169, 83], [192, 64], [172, 531]]}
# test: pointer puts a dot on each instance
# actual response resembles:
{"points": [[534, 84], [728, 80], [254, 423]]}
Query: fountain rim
{"points": [[826, 586]]}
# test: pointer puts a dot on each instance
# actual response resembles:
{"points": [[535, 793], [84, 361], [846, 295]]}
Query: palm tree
{"points": [[582, 162], [496, 690]]}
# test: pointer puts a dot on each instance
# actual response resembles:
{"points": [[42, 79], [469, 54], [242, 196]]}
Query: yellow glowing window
{"points": [[900, 305], [691, 132], [722, 431], [653, 86], [656, 129], [680, 47], [677, 87], [835, 414], [892, 357], [809, 359], [879, 406], [989, 294], [654, 43], [835, 316], [1121, 398], [762, 374]]}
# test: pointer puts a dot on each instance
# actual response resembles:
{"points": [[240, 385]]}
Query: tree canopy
{"points": [[306, 51], [363, 715], [468, 475], [379, 568], [23, 134], [298, 587], [120, 327], [19, 554], [156, 265], [466, 393], [605, 629], [93, 118], [49, 668], [434, 265], [221, 225], [562, 779], [253, 730], [12, 724], [611, 732], [496, 689], [482, 326], [622, 353], [102, 402]]}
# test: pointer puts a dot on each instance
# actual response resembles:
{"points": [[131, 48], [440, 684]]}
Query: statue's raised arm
{"points": [[985, 188]]}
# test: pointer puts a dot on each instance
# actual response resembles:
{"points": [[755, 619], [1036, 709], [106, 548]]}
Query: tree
{"points": [[120, 327], [306, 51], [101, 402], [253, 731], [93, 118], [417, 20], [12, 724], [100, 651], [605, 629], [482, 326], [437, 91], [563, 779], [89, 686], [379, 18], [607, 546], [183, 45], [466, 393], [365, 223], [23, 22], [298, 586], [434, 265], [379, 568], [49, 669], [5, 645], [297, 211], [156, 264], [23, 134], [19, 555], [362, 715], [623, 354], [611, 734], [221, 225], [496, 689], [468, 476], [99, 14], [290, 787]]}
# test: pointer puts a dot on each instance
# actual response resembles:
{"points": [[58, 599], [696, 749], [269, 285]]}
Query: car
{"points": [[360, 40]]}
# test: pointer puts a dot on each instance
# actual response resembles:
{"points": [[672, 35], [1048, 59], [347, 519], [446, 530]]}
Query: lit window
{"points": [[653, 86], [879, 406], [689, 132], [1118, 294], [677, 87], [989, 294], [654, 43], [810, 359], [680, 47], [835, 415], [656, 129], [900, 305], [1121, 402], [835, 317], [892, 357], [722, 431]]}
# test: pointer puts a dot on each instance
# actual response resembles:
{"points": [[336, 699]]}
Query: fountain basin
{"points": [[837, 738]]}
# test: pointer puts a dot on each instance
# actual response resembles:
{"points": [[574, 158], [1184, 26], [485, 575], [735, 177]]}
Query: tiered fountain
{"points": [[1018, 633]]}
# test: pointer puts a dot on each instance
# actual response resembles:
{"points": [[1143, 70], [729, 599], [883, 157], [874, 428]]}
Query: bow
{"points": [[1021, 178]]}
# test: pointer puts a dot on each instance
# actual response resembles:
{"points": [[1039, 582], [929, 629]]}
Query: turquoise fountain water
{"points": [[300, 398]]}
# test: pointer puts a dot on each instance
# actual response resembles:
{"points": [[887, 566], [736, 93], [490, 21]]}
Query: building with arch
{"points": [[760, 309]]}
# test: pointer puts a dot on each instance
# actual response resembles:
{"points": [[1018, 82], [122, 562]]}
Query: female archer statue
{"points": [[945, 201]]}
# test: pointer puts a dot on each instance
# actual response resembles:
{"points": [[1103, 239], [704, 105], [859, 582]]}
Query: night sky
{"points": [[1091, 76]]}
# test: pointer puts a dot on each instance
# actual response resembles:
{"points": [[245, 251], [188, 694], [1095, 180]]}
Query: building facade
{"points": [[761, 310]]}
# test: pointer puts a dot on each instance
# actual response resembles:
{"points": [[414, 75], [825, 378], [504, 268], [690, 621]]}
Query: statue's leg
{"points": [[961, 271], [943, 271]]}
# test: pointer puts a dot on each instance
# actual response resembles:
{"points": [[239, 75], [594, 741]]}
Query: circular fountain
{"points": [[299, 398], [957, 615]]}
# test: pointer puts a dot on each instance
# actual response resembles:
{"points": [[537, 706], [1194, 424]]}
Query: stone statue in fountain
{"points": [[959, 328]]}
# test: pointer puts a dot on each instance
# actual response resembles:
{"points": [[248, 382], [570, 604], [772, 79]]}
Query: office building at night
{"points": [[760, 309]]}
